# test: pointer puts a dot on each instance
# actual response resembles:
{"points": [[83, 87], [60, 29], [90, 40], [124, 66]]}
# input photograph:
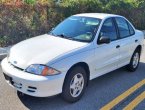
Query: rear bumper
{"points": [[34, 85]]}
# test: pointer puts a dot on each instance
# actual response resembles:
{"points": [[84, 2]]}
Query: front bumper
{"points": [[34, 85]]}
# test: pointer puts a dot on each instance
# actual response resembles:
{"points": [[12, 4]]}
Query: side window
{"points": [[108, 29], [131, 29], [123, 27]]}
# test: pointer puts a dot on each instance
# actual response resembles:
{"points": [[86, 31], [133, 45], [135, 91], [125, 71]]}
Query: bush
{"points": [[81, 6], [131, 9], [20, 20], [134, 10], [19, 23]]}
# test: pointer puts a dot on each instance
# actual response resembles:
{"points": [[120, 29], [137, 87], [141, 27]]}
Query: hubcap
{"points": [[76, 85], [135, 60]]}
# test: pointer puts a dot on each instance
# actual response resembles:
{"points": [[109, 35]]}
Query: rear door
{"points": [[127, 40]]}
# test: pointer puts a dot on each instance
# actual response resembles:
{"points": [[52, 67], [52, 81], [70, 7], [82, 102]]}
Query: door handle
{"points": [[118, 46], [136, 40]]}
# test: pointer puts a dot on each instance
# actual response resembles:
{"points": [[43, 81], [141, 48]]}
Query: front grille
{"points": [[31, 89], [16, 67], [8, 78], [18, 85], [12, 82]]}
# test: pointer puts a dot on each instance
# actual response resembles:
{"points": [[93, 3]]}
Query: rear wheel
{"points": [[75, 84], [134, 61]]}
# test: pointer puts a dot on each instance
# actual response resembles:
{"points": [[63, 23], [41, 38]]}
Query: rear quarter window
{"points": [[132, 32]]}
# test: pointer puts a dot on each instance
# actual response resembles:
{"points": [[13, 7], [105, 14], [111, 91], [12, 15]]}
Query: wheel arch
{"points": [[130, 65], [82, 64], [139, 47]]}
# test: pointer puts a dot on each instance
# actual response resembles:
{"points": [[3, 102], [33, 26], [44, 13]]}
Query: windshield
{"points": [[77, 28]]}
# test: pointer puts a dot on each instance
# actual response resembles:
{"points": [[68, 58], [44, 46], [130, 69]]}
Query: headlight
{"points": [[41, 70]]}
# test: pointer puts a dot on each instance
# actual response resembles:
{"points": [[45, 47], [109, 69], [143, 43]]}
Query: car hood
{"points": [[40, 50]]}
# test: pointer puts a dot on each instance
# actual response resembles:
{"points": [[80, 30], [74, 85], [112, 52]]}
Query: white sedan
{"points": [[79, 49]]}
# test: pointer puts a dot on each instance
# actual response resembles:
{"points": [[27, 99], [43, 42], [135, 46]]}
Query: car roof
{"points": [[97, 15]]}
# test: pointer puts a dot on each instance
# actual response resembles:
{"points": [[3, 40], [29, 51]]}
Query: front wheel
{"points": [[75, 84], [134, 61]]}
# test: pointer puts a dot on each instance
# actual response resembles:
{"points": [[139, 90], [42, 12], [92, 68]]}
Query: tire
{"points": [[20, 94], [133, 65], [75, 84]]}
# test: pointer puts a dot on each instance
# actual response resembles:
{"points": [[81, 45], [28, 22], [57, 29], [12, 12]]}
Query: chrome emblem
{"points": [[15, 62]]}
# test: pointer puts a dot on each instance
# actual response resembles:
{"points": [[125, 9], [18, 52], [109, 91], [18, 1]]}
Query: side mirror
{"points": [[104, 40]]}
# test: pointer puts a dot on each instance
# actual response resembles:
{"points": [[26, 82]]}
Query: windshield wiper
{"points": [[62, 36], [66, 37]]}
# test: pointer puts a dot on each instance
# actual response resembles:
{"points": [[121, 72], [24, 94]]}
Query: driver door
{"points": [[107, 55]]}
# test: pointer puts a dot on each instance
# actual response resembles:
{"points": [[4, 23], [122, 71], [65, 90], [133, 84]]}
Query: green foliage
{"points": [[34, 17], [30, 1], [134, 10], [81, 6]]}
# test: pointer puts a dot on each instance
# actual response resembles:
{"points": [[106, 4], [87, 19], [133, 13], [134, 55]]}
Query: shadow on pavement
{"points": [[98, 93]]}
